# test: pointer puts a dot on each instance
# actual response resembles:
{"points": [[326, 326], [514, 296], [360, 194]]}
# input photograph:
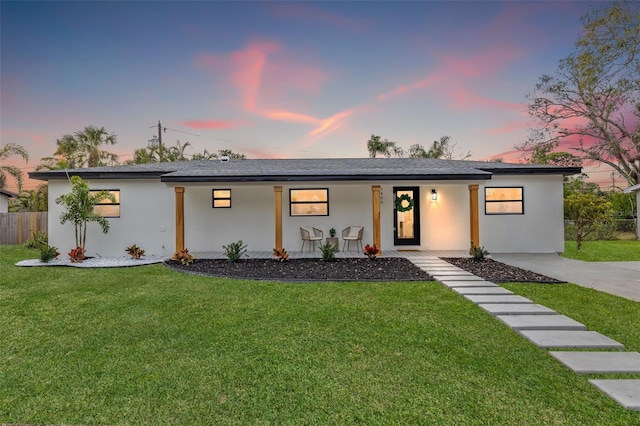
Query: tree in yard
{"points": [[376, 146], [587, 210], [594, 96], [31, 200], [442, 148], [543, 153], [79, 207], [81, 149], [7, 151]]}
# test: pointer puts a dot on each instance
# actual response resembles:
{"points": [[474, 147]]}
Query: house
{"points": [[203, 205], [630, 190], [4, 199]]}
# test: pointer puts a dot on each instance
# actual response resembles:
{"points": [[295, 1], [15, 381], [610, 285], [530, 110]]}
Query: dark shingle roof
{"points": [[8, 193], [325, 169]]}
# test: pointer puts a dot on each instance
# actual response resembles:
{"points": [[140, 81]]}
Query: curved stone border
{"points": [[95, 262]]}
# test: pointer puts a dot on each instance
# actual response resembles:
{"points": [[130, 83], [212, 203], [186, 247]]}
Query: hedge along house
{"points": [[203, 205]]}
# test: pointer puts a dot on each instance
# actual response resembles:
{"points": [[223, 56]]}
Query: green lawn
{"points": [[603, 251], [147, 345]]}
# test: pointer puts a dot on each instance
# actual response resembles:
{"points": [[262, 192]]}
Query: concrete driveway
{"points": [[618, 278]]}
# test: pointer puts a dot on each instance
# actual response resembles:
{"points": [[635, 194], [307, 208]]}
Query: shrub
{"points": [[39, 241], [328, 251], [371, 251], [47, 253], [77, 255], [281, 254], [135, 251], [184, 257], [478, 253], [234, 251]]}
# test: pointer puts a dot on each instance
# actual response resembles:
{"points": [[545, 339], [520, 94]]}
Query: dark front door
{"points": [[406, 225]]}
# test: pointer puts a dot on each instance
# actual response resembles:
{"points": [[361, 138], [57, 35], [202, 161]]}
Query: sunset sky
{"points": [[276, 79]]}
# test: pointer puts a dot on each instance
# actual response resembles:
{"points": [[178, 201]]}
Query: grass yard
{"points": [[603, 251], [147, 345]]}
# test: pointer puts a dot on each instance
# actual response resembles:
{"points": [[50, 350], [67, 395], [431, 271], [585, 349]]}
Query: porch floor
{"points": [[316, 254]]}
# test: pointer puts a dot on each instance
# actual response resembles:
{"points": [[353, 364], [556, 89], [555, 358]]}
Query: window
{"points": [[309, 202], [107, 208], [503, 200], [221, 198]]}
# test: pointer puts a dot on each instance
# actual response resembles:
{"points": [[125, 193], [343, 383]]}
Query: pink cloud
{"points": [[509, 128], [292, 117], [420, 84], [212, 124]]}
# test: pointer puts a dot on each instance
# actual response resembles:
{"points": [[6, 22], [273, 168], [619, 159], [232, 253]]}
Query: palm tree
{"points": [[90, 141], [7, 151]]}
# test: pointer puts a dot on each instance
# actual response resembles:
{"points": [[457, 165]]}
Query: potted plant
{"points": [[332, 239], [332, 232]]}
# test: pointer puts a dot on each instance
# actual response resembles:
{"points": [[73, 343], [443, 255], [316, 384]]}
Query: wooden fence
{"points": [[18, 228]]}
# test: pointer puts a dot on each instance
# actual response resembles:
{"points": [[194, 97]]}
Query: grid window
{"points": [[507, 200], [107, 208], [221, 198], [309, 202]]}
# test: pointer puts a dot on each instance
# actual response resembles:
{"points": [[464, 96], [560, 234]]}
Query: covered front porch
{"points": [[316, 254]]}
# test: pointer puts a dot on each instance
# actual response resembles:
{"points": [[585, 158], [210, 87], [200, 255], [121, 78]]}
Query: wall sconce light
{"points": [[434, 195]]}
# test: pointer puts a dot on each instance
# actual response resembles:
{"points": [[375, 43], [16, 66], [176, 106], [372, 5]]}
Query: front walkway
{"points": [[573, 345]]}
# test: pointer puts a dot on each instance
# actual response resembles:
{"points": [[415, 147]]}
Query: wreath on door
{"points": [[404, 203]]}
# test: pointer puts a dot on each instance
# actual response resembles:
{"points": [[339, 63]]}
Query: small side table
{"points": [[334, 241]]}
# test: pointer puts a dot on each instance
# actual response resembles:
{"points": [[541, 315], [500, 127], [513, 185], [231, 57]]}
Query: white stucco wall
{"points": [[539, 230], [147, 218]]}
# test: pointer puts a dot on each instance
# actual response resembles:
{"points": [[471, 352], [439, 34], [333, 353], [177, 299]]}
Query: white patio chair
{"points": [[352, 233], [311, 235]]}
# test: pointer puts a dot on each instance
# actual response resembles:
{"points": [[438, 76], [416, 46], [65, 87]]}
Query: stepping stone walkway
{"points": [[546, 328]]}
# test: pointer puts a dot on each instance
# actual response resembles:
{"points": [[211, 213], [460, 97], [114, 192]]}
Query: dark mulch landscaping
{"points": [[498, 272], [356, 269]]}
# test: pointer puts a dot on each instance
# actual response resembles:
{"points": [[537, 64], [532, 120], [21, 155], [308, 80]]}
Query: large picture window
{"points": [[221, 198], [107, 208], [506, 200], [309, 202]]}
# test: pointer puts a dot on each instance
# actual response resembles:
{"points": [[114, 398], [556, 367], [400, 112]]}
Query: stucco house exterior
{"points": [[631, 190], [203, 205], [4, 199]]}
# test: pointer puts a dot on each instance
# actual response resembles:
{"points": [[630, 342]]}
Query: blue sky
{"points": [[279, 79]]}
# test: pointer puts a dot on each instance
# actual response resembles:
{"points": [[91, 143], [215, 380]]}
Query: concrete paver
{"points": [[444, 277], [481, 283], [625, 392], [570, 339], [517, 309], [599, 362], [541, 322], [496, 298], [481, 290]]}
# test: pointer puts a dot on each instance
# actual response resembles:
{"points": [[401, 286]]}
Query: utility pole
{"points": [[160, 153], [613, 180]]}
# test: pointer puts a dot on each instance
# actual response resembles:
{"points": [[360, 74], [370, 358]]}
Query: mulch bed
{"points": [[498, 272], [356, 269]]}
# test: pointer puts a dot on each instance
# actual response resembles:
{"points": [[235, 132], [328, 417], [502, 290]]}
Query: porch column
{"points": [[473, 215], [179, 218], [375, 199], [277, 192]]}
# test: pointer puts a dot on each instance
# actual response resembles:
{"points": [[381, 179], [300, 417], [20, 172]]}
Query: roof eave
{"points": [[319, 178]]}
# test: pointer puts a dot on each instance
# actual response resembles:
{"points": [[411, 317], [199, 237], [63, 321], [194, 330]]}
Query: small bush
{"points": [[184, 257], [47, 253], [478, 253], [39, 241], [328, 251], [234, 251], [135, 251], [371, 251], [77, 255], [281, 254]]}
